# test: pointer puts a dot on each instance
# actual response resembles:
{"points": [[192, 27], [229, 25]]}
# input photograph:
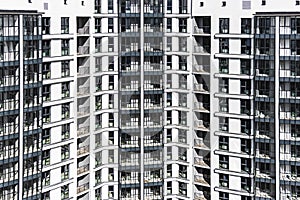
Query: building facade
{"points": [[149, 99]]}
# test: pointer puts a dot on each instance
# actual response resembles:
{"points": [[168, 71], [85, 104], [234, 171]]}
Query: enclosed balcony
{"points": [[83, 66], [83, 25], [202, 25]]}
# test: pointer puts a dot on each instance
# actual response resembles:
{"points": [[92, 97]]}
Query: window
{"points": [[169, 66], [245, 66], [46, 157], [46, 70], [46, 114], [245, 165], [245, 146], [246, 46], [223, 85], [223, 3], [182, 6], [182, 136], [111, 137], [224, 25], [224, 45], [46, 178], [169, 135], [98, 6], [110, 6], [245, 87], [263, 2], [183, 188], [224, 162], [110, 191], [224, 65], [246, 26], [182, 25], [245, 126], [46, 93], [65, 45], [65, 110], [45, 25], [169, 170], [169, 187], [223, 196], [169, 6], [64, 172], [110, 25], [65, 89], [110, 44], [297, 2], [245, 107], [65, 192], [97, 25], [183, 81], [245, 184], [183, 63], [182, 99], [65, 131], [201, 4], [46, 45], [182, 153], [65, 25], [223, 103], [182, 171], [65, 152], [110, 156], [224, 180], [223, 143], [65, 68], [46, 138], [169, 25], [182, 117]]}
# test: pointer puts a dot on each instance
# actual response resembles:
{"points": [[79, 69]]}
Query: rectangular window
{"points": [[246, 26], [169, 25], [224, 25], [97, 6], [46, 48], [46, 114], [182, 25], [65, 25], [246, 46], [110, 44], [110, 4], [65, 68], [224, 65], [223, 143], [224, 180], [246, 146], [65, 152], [65, 110], [169, 6], [65, 89], [97, 25], [182, 6], [46, 70], [46, 93], [224, 162], [110, 25], [45, 25], [245, 165], [65, 46], [224, 45]]}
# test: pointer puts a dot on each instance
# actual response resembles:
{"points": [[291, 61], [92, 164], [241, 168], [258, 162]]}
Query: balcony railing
{"points": [[83, 150], [82, 188], [83, 130], [82, 169]]}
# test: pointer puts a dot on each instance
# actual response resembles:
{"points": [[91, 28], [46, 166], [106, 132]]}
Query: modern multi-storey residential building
{"points": [[149, 99]]}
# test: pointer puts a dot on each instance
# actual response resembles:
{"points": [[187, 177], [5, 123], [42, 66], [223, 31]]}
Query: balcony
{"points": [[199, 143], [205, 49], [199, 179], [202, 30], [201, 69], [83, 90], [82, 188], [201, 125], [83, 150], [202, 107], [82, 169], [83, 130], [83, 110], [201, 88], [200, 161], [85, 29]]}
